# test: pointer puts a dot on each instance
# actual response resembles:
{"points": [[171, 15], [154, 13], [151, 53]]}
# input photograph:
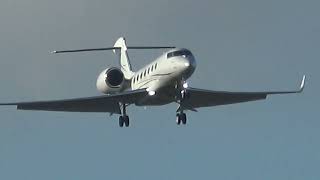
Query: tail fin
{"points": [[120, 48], [123, 56]]}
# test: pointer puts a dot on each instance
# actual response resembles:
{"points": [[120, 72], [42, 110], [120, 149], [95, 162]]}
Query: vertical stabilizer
{"points": [[123, 56]]}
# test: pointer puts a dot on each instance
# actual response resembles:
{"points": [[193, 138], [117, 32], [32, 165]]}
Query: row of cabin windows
{"points": [[143, 74]]}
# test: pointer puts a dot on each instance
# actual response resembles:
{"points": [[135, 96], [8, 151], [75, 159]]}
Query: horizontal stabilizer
{"points": [[113, 48], [84, 50]]}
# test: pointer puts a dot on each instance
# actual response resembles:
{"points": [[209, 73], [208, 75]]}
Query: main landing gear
{"points": [[181, 118], [124, 118]]}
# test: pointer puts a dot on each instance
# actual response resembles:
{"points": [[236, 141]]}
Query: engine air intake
{"points": [[114, 77]]}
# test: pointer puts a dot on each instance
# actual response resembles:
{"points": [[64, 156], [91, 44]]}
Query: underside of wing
{"points": [[106, 103], [205, 98]]}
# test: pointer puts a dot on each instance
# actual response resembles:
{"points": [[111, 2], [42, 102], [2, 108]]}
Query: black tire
{"points": [[183, 118], [126, 121], [121, 121], [178, 119]]}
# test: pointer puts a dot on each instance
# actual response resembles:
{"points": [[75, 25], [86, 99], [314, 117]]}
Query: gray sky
{"points": [[239, 45]]}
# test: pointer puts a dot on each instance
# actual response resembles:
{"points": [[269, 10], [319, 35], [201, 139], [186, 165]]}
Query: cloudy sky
{"points": [[239, 45]]}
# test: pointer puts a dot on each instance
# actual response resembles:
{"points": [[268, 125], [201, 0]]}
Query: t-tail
{"points": [[123, 57], [120, 48]]}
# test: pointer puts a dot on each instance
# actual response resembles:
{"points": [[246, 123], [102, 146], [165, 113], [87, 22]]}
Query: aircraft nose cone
{"points": [[189, 63], [193, 63], [183, 63], [187, 66]]}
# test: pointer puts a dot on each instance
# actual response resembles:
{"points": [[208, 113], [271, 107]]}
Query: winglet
{"points": [[302, 83]]}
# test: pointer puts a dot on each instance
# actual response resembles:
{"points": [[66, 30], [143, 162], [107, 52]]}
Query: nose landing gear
{"points": [[185, 95], [182, 96]]}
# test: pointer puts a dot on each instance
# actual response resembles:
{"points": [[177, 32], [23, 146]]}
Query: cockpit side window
{"points": [[179, 53]]}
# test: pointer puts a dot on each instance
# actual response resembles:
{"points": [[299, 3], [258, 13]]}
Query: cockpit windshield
{"points": [[184, 53]]}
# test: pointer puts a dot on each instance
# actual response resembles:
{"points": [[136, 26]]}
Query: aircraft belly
{"points": [[162, 97], [154, 101]]}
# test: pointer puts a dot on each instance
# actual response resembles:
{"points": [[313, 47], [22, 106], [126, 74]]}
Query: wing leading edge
{"points": [[106, 103], [205, 98]]}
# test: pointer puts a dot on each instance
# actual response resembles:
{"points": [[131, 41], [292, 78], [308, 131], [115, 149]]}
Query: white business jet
{"points": [[161, 82]]}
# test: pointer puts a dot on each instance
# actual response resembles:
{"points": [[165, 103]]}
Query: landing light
{"points": [[185, 85], [151, 93], [187, 64]]}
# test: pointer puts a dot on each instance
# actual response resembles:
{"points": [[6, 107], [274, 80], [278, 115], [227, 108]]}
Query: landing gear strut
{"points": [[184, 94], [124, 119]]}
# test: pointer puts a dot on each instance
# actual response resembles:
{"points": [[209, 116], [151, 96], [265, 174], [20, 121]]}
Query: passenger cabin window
{"points": [[155, 66], [185, 53]]}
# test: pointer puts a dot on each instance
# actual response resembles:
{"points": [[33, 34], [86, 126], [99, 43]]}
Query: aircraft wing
{"points": [[105, 103], [205, 98]]}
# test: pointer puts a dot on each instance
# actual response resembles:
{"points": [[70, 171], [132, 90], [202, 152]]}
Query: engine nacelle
{"points": [[110, 81]]}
